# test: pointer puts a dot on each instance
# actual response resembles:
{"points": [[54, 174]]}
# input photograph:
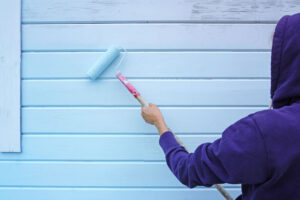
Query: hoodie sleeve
{"points": [[238, 157]]}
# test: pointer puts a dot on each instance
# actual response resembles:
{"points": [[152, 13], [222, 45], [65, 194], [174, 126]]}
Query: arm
{"points": [[161, 127], [238, 157]]}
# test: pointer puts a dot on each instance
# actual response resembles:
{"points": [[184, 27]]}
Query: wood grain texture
{"points": [[127, 120], [10, 63], [162, 92], [98, 147], [91, 37], [150, 65], [94, 11], [113, 193]]}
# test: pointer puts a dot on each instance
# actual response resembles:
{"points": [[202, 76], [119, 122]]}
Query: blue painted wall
{"points": [[205, 63]]}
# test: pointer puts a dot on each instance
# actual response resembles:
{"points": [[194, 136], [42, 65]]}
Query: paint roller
{"points": [[104, 62]]}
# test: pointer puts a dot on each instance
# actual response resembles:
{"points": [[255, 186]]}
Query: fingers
{"points": [[145, 116], [147, 109], [151, 105], [148, 113], [147, 120]]}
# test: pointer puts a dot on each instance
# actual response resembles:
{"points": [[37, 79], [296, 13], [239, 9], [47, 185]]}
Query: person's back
{"points": [[260, 151], [280, 127], [280, 131]]}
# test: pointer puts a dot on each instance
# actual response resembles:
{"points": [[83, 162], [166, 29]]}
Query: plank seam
{"points": [[67, 107], [138, 106], [144, 50], [116, 134], [82, 161], [148, 22], [153, 78], [112, 187]]}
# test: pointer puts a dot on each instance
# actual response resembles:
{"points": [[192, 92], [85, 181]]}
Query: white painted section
{"points": [[10, 61], [91, 11]]}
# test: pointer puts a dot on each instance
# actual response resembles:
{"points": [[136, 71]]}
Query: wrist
{"points": [[159, 122], [161, 126]]}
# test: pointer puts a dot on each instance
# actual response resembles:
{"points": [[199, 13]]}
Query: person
{"points": [[260, 151]]}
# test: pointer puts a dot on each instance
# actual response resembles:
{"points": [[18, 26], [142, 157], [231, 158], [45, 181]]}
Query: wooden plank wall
{"points": [[205, 63], [10, 76]]}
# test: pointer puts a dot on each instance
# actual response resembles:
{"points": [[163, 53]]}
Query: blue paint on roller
{"points": [[104, 62]]}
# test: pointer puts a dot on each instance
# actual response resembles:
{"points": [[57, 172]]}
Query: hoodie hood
{"points": [[285, 64]]}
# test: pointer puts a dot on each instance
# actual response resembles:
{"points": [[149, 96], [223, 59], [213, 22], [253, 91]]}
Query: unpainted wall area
{"points": [[205, 63]]}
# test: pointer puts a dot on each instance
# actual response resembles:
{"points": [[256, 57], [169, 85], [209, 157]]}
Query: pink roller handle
{"points": [[127, 84], [131, 89]]}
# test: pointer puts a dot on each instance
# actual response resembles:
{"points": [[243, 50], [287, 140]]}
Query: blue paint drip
{"points": [[104, 62]]}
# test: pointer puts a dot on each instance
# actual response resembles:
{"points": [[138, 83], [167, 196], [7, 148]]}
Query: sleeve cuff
{"points": [[167, 141]]}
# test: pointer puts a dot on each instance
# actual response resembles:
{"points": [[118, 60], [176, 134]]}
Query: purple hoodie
{"points": [[262, 150]]}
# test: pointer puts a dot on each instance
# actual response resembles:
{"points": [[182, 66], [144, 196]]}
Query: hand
{"points": [[152, 115]]}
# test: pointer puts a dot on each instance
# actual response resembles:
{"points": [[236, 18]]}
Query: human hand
{"points": [[152, 114]]}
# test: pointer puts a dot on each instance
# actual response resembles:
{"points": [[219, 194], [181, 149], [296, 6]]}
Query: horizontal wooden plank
{"points": [[87, 174], [128, 120], [150, 64], [113, 194], [92, 147], [148, 10], [101, 174], [161, 92], [82, 37]]}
